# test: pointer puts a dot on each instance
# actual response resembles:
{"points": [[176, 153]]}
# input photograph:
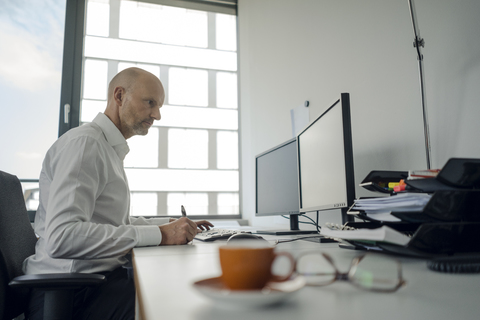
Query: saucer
{"points": [[273, 292]]}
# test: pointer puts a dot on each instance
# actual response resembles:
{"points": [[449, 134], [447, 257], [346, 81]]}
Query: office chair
{"points": [[17, 242]]}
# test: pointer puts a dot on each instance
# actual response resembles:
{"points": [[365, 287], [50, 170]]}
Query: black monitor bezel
{"points": [[279, 213], [344, 103]]}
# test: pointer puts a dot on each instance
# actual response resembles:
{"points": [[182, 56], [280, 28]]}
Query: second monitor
{"points": [[325, 161]]}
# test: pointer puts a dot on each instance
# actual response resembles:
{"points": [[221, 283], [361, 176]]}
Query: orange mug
{"points": [[249, 268]]}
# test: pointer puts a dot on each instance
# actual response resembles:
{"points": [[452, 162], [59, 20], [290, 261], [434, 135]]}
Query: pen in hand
{"points": [[184, 213]]}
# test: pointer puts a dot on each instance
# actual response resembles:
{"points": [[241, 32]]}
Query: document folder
{"points": [[447, 206], [449, 222], [457, 173], [433, 239]]}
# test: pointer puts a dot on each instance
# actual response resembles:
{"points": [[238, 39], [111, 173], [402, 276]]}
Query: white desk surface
{"points": [[164, 277]]}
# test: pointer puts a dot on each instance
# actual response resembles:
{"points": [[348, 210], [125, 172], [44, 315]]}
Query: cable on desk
{"points": [[291, 240], [313, 223], [285, 217]]}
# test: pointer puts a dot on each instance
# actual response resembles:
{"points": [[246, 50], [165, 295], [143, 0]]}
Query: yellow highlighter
{"points": [[392, 185]]}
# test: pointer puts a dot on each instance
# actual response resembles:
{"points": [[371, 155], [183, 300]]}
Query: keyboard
{"points": [[216, 234]]}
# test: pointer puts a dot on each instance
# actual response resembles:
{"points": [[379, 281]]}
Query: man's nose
{"points": [[156, 114]]}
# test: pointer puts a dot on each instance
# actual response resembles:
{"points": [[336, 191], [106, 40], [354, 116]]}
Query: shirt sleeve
{"points": [[79, 175], [148, 238], [149, 221]]}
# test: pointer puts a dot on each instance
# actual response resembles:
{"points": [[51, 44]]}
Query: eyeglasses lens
{"points": [[375, 272], [316, 269]]}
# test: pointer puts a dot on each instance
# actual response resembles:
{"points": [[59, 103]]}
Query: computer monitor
{"points": [[325, 161], [277, 185]]}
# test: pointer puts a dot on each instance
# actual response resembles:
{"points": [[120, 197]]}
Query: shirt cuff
{"points": [[148, 236]]}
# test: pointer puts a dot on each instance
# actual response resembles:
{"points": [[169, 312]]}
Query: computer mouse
{"points": [[245, 236]]}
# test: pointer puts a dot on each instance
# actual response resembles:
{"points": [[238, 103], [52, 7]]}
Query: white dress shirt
{"points": [[83, 220]]}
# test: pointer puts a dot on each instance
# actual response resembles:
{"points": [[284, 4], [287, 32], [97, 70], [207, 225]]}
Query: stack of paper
{"points": [[383, 234], [381, 208]]}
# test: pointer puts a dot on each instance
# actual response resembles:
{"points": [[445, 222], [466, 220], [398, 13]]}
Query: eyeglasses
{"points": [[368, 271]]}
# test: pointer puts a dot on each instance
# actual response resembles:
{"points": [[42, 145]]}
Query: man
{"points": [[83, 220]]}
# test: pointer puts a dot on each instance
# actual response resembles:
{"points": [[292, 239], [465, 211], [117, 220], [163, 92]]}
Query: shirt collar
{"points": [[113, 135]]}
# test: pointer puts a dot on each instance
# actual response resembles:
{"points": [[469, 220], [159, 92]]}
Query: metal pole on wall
{"points": [[417, 43]]}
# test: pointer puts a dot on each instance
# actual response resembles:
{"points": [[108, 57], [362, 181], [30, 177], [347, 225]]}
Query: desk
{"points": [[164, 277]]}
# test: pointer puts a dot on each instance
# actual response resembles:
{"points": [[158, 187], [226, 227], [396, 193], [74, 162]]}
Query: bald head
{"points": [[128, 78], [134, 100]]}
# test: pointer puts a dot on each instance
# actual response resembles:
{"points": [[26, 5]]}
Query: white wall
{"points": [[296, 50]]}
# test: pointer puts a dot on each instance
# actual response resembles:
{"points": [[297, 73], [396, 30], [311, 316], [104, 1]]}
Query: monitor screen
{"points": [[325, 159], [277, 180]]}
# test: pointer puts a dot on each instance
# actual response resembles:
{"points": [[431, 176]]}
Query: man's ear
{"points": [[119, 95]]}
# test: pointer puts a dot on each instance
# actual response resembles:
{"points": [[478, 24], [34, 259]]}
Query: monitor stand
{"points": [[294, 230]]}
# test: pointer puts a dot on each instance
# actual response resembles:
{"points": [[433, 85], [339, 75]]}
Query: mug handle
{"points": [[278, 278]]}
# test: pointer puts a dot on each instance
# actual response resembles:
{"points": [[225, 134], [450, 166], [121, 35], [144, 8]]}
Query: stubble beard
{"points": [[139, 129], [134, 126]]}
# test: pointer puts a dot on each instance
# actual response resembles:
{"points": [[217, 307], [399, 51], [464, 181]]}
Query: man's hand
{"points": [[203, 224], [180, 231]]}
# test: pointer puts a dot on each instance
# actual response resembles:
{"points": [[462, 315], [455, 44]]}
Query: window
{"points": [[190, 157], [187, 87], [187, 148], [197, 203]]}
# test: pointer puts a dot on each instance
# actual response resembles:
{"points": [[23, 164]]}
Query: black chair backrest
{"points": [[17, 242]]}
